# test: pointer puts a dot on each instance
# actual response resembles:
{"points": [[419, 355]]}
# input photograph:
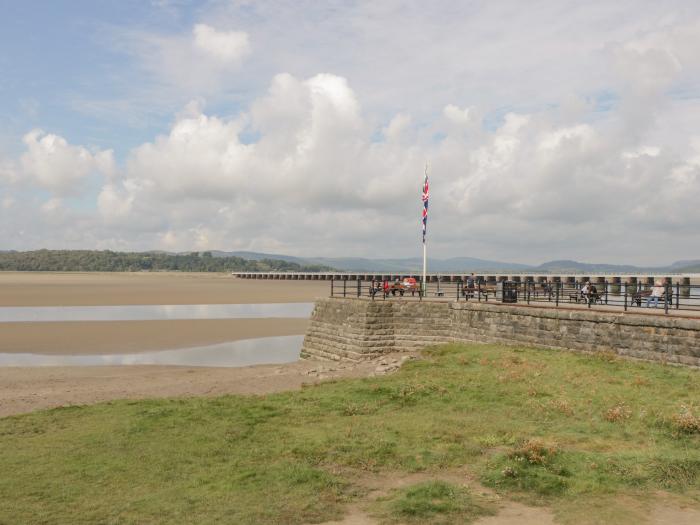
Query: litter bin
{"points": [[510, 292]]}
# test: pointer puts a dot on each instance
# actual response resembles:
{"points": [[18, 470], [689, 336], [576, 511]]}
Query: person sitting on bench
{"points": [[656, 292], [469, 289], [593, 295], [585, 291]]}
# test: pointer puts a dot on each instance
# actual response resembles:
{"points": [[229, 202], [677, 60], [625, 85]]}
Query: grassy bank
{"points": [[578, 433]]}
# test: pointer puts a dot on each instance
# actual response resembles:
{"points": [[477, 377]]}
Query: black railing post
{"points": [[678, 294], [666, 292], [625, 297], [478, 289], [331, 286], [606, 291], [359, 287], [345, 285], [557, 296], [527, 291], [458, 283]]}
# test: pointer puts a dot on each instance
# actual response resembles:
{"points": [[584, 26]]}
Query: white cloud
{"points": [[58, 166], [457, 115], [196, 63], [225, 46], [561, 130]]}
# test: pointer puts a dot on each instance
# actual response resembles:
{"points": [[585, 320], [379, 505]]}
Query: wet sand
{"points": [[88, 289], [122, 337], [26, 389]]}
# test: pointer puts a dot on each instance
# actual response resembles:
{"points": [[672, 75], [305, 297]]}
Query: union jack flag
{"points": [[426, 194]]}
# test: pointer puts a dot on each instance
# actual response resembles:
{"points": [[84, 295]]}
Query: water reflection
{"points": [[262, 350], [152, 312]]}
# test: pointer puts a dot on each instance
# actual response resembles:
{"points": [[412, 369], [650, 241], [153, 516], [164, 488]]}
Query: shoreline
{"points": [[28, 389]]}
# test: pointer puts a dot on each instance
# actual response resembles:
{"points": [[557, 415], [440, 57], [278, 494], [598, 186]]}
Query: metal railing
{"points": [[574, 293]]}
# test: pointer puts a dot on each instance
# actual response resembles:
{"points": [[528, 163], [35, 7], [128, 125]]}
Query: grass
{"points": [[432, 502], [540, 426]]}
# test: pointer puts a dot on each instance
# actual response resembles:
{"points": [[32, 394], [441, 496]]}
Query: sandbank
{"points": [[98, 288]]}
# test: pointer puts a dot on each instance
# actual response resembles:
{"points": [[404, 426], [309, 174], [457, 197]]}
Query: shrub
{"points": [[685, 421]]}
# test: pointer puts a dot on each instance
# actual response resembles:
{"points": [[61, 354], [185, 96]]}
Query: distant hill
{"points": [[92, 260], [686, 266], [360, 264], [578, 267], [257, 256], [467, 264], [109, 261], [415, 264]]}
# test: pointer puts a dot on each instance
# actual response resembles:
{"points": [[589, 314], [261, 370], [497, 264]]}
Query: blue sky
{"points": [[282, 126], [57, 56]]}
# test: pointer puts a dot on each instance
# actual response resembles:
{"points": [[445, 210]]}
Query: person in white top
{"points": [[656, 292], [584, 291]]}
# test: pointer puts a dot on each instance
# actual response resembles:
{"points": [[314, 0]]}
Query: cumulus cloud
{"points": [[58, 166], [316, 166], [598, 161]]}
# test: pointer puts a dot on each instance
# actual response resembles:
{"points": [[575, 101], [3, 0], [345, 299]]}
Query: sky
{"points": [[552, 129]]}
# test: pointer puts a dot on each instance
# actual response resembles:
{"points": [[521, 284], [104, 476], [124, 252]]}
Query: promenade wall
{"points": [[357, 329]]}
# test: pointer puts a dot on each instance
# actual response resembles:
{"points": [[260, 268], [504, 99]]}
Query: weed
{"points": [[532, 466], [640, 381], [356, 409], [618, 413], [685, 421], [562, 406], [676, 473], [534, 451], [607, 356]]}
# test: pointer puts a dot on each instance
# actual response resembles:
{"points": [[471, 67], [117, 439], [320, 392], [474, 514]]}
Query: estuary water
{"points": [[157, 312], [245, 352]]}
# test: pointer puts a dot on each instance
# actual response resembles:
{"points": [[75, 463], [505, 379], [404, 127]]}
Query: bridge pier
{"points": [[685, 287]]}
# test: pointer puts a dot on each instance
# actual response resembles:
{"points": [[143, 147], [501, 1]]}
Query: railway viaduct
{"points": [[684, 279]]}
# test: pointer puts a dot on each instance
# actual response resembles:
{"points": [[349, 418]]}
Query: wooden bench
{"points": [[636, 297], [479, 292], [576, 296]]}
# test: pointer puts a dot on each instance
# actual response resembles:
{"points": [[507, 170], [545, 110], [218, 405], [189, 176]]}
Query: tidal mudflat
{"points": [[54, 386]]}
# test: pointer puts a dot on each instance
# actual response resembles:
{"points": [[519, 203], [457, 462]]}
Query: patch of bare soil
{"points": [[660, 508], [380, 485], [664, 514]]}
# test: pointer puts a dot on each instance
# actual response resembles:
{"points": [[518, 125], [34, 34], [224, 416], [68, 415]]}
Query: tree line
{"points": [[109, 261]]}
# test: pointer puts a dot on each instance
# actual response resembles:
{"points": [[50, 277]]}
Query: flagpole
{"points": [[425, 250], [425, 264]]}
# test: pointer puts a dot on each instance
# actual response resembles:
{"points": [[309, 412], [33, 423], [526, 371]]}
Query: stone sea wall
{"points": [[357, 329]]}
